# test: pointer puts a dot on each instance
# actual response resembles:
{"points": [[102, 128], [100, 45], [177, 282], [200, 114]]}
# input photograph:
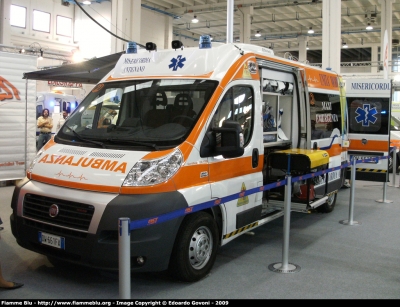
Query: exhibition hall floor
{"points": [[336, 261]]}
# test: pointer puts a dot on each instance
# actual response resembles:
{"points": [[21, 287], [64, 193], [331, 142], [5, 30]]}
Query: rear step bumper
{"points": [[298, 207]]}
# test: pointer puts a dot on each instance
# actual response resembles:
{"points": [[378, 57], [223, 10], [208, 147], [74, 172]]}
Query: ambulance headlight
{"points": [[38, 155], [151, 172]]}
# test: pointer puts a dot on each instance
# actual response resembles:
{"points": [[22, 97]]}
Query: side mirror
{"points": [[231, 145]]}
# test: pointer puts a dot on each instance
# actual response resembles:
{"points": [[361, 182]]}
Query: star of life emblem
{"points": [[177, 63], [366, 115]]}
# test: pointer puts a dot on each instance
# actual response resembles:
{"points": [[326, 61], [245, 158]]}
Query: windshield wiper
{"points": [[85, 140], [151, 145]]}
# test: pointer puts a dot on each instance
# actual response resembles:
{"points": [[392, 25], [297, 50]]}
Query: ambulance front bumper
{"points": [[97, 245]]}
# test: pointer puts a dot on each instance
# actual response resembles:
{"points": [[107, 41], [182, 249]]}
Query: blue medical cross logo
{"points": [[366, 115], [177, 63]]}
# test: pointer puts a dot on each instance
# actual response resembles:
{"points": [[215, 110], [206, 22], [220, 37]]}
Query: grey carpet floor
{"points": [[336, 261]]}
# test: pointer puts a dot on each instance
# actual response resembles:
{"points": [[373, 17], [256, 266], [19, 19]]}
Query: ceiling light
{"points": [[195, 20], [369, 27], [345, 45], [310, 31], [87, 2], [76, 55], [258, 34]]}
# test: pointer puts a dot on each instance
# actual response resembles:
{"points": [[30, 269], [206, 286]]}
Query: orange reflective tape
{"points": [[76, 185], [185, 148], [321, 79], [192, 175], [204, 76], [316, 78], [167, 186], [236, 69], [370, 145], [231, 168], [157, 154], [335, 150], [395, 143]]}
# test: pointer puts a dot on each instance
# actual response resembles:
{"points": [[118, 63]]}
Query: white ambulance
{"points": [[369, 104], [171, 129]]}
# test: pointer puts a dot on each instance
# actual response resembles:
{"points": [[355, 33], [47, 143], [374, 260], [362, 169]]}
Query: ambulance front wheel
{"points": [[195, 247], [329, 205]]}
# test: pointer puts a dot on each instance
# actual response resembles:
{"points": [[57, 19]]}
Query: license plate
{"points": [[51, 240], [367, 157]]}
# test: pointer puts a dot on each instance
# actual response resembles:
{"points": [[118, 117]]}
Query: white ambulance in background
{"points": [[168, 130], [369, 105], [395, 131]]}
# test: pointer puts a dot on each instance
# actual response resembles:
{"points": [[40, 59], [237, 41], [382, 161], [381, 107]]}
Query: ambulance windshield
{"points": [[160, 112]]}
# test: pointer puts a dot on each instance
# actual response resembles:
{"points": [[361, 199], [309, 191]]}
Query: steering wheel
{"points": [[184, 118]]}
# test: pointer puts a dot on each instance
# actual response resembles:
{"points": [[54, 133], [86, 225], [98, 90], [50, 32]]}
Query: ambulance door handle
{"points": [[364, 141], [255, 158]]}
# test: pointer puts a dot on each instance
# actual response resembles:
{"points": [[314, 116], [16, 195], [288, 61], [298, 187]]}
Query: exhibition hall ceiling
{"points": [[279, 22]]}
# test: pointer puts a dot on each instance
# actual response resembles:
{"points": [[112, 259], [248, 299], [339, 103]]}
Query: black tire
{"points": [[329, 205], [195, 248], [390, 162]]}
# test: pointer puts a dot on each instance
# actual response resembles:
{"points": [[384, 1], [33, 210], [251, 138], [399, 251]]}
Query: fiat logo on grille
{"points": [[53, 211]]}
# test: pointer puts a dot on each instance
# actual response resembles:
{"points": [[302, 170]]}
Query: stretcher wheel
{"points": [[329, 204]]}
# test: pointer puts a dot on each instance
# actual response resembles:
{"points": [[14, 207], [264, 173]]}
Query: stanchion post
{"points": [[124, 258], [285, 266], [394, 167], [384, 200], [350, 221]]}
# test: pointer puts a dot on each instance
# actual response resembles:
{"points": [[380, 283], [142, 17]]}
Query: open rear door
{"points": [[369, 108]]}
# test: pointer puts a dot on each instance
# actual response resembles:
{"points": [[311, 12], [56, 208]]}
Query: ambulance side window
{"points": [[326, 118], [237, 105]]}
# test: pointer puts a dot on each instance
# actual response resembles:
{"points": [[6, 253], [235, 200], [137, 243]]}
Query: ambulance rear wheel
{"points": [[390, 162], [195, 248], [329, 205]]}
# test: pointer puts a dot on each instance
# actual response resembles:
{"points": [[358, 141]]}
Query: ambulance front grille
{"points": [[71, 214]]}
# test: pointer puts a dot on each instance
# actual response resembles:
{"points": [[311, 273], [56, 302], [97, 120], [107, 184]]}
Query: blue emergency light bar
{"points": [[131, 47], [205, 42]]}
